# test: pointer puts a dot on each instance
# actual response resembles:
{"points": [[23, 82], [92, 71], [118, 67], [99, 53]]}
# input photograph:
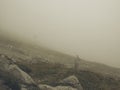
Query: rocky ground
{"points": [[16, 75], [12, 75]]}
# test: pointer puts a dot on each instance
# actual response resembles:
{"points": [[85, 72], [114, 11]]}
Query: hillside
{"points": [[34, 53], [49, 67], [51, 76]]}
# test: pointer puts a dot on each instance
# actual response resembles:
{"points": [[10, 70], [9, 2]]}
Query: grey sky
{"points": [[89, 28]]}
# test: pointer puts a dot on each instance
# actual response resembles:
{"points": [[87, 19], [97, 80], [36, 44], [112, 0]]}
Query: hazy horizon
{"points": [[88, 28]]}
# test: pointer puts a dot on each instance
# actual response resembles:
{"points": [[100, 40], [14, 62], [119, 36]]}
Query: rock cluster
{"points": [[72, 81], [8, 66], [27, 83]]}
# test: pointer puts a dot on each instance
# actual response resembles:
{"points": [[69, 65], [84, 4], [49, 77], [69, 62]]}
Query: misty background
{"points": [[88, 28]]}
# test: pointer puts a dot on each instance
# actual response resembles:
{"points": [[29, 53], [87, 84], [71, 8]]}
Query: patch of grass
{"points": [[94, 81], [52, 73]]}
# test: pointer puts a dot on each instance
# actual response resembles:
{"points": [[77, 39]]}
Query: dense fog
{"points": [[88, 28]]}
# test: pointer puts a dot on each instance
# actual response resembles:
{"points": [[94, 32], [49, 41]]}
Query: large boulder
{"points": [[65, 88], [72, 81], [20, 75], [30, 87], [7, 65], [4, 62], [47, 87]]}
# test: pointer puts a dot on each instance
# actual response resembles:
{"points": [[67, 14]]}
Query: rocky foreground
{"points": [[14, 78], [19, 74]]}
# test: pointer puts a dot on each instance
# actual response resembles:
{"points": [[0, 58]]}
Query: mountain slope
{"points": [[27, 52]]}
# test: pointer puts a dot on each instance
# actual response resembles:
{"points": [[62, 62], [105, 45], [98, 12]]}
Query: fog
{"points": [[88, 28]]}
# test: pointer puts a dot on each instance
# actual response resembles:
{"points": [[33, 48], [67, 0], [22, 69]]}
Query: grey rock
{"points": [[72, 81], [64, 88], [7, 65], [20, 75], [47, 87]]}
